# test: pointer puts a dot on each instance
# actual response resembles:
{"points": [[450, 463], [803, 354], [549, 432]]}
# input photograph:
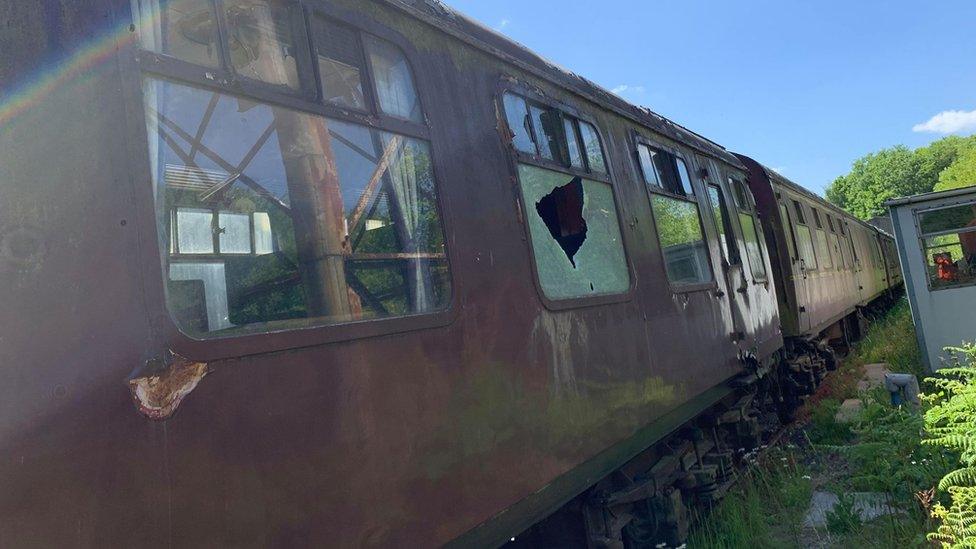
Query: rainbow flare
{"points": [[36, 87]]}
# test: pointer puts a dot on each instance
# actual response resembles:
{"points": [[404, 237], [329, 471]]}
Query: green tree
{"points": [[900, 171], [962, 173], [876, 178]]}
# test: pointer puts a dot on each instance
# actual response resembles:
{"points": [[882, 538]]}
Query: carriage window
{"points": [[184, 29], [665, 171], [575, 234], [573, 140], [788, 230], [546, 124], [341, 64], [682, 240], [823, 249], [517, 115], [949, 245], [726, 235], [800, 218], [805, 245], [394, 80], [593, 148], [275, 219], [751, 228], [261, 41]]}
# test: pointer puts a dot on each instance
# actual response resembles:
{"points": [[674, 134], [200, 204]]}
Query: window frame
{"points": [[533, 98], [640, 139], [516, 157], [139, 64], [751, 209], [917, 214], [798, 205]]}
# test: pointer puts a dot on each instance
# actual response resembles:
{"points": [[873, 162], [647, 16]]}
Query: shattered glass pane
{"points": [[587, 257], [682, 241], [546, 137], [185, 29], [341, 62]]}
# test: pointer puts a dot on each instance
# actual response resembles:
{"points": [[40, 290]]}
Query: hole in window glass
{"points": [[947, 219], [276, 219], [752, 234], [394, 80], [261, 41], [185, 29], [341, 62], [594, 151], [726, 235], [573, 141], [517, 116], [562, 212], [598, 266], [682, 241]]}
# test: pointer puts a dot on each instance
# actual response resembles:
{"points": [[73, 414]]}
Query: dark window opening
{"points": [[562, 212], [830, 223], [800, 218], [816, 218], [665, 171]]}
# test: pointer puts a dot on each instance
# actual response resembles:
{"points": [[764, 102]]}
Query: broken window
{"points": [[393, 77], [575, 234], [949, 245], [276, 219], [682, 240], [547, 127], [341, 63]]}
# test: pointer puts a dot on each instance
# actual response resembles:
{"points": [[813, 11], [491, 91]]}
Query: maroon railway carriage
{"points": [[340, 272]]}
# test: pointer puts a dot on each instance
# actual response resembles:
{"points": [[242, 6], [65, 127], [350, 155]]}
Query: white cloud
{"points": [[627, 89], [949, 122], [503, 24]]}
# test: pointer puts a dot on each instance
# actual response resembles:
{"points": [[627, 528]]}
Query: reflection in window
{"points": [[546, 126], [517, 115], [573, 140], [278, 219], [594, 151], [394, 80], [649, 165], [682, 240], [341, 63], [752, 234], [684, 177], [726, 236], [949, 245], [262, 45], [185, 29], [575, 234]]}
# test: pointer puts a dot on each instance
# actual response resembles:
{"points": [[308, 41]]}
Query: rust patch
{"points": [[159, 394]]}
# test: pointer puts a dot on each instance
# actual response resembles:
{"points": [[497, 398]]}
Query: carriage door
{"points": [[731, 262], [797, 274]]}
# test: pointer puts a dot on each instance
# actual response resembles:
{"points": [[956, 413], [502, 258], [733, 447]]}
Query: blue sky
{"points": [[804, 87]]}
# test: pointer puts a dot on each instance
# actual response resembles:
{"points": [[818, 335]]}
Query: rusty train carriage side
{"points": [[479, 417]]}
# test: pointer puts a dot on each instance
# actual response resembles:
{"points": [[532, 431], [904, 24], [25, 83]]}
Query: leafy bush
{"points": [[950, 424]]}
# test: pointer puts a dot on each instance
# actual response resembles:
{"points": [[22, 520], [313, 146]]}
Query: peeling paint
{"points": [[160, 394]]}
